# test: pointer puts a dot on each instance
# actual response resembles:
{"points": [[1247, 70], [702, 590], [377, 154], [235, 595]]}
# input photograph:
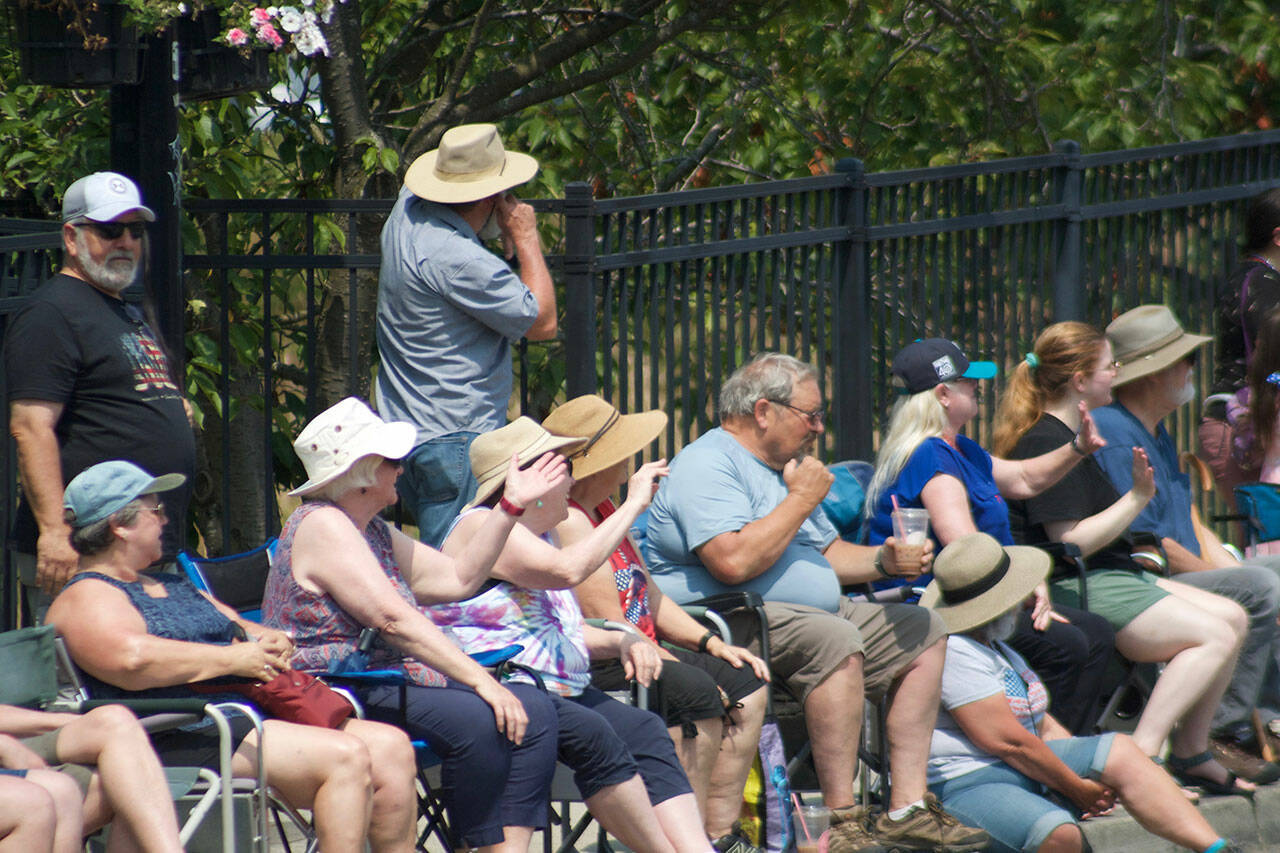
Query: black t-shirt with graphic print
{"points": [[72, 344]]}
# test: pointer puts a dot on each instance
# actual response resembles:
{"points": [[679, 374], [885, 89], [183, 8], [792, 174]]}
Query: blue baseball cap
{"points": [[100, 490], [924, 364]]}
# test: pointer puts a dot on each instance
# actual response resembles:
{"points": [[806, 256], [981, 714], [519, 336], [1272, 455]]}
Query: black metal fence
{"points": [[663, 295]]}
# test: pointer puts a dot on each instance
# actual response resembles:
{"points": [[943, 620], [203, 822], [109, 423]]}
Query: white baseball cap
{"points": [[102, 197]]}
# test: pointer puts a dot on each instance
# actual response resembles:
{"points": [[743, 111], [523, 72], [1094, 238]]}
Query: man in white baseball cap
{"points": [[449, 310], [87, 378]]}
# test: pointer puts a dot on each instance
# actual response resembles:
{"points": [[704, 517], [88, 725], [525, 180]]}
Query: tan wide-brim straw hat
{"points": [[975, 580], [342, 435], [491, 453], [469, 165], [611, 436], [1146, 340]]}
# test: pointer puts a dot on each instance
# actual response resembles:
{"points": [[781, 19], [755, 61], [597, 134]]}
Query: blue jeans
{"points": [[437, 483], [1012, 807]]}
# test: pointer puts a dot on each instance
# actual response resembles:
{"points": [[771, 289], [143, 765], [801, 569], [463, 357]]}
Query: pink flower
{"points": [[259, 17], [268, 35], [236, 36]]}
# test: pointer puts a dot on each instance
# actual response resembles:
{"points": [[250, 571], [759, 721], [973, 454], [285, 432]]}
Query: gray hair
{"points": [[767, 376], [363, 472], [97, 537]]}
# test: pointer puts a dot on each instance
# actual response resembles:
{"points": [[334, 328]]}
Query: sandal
{"points": [[1180, 769], [1192, 795]]}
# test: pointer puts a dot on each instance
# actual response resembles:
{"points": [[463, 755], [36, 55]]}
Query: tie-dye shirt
{"points": [[547, 622], [628, 575]]}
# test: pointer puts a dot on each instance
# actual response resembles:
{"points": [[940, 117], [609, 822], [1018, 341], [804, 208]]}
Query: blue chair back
{"points": [[238, 580], [845, 503], [1260, 502]]}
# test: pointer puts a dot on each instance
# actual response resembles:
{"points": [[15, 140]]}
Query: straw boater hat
{"points": [[341, 436], [611, 436], [491, 453], [1148, 339], [975, 580], [469, 165]]}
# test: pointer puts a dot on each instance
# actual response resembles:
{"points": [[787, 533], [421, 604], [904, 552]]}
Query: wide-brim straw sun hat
{"points": [[470, 164], [975, 580], [611, 436], [491, 453], [341, 436], [1146, 340]]}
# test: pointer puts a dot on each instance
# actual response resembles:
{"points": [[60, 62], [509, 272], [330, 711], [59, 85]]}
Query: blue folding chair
{"points": [[237, 579]]}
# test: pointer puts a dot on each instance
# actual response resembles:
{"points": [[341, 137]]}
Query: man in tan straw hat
{"points": [[997, 754], [740, 511], [1156, 359], [449, 310]]}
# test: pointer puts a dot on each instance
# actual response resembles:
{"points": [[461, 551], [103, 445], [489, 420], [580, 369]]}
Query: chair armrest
{"points": [[1233, 551], [1147, 546], [723, 601]]}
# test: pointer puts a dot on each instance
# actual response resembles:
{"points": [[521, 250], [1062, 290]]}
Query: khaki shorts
{"points": [[46, 746], [807, 644]]}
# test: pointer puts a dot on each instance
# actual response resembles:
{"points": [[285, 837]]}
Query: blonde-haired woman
{"points": [[926, 461], [1195, 633]]}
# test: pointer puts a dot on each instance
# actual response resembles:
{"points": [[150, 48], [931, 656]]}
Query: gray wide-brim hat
{"points": [[975, 580], [1146, 340]]}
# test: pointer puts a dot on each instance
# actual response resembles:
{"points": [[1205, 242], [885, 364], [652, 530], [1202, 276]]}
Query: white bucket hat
{"points": [[342, 435], [469, 165]]}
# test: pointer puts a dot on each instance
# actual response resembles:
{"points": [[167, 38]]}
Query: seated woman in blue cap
{"points": [[143, 635], [925, 461], [998, 759]]}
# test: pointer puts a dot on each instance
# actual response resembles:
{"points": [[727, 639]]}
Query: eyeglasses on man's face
{"points": [[814, 418]]}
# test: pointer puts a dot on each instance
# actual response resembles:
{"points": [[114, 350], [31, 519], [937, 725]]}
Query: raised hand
{"points": [[1144, 476], [643, 484], [807, 478], [1088, 439], [524, 486]]}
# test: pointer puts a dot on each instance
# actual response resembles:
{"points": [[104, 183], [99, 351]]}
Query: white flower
{"points": [[308, 2], [309, 41], [182, 8], [290, 19], [272, 11]]}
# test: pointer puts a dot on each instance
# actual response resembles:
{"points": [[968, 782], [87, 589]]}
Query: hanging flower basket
{"points": [[76, 48], [208, 67]]}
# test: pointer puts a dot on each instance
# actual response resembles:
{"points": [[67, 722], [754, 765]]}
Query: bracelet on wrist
{"points": [[879, 562], [705, 641], [1075, 445], [510, 508]]}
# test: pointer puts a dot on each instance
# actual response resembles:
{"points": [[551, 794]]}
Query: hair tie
{"points": [[1031, 360]]}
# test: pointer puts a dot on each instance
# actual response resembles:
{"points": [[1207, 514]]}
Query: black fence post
{"points": [[579, 290], [1068, 283], [851, 397]]}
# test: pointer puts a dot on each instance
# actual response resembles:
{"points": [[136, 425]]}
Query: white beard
{"points": [[1001, 628], [1188, 392], [491, 230], [114, 274]]}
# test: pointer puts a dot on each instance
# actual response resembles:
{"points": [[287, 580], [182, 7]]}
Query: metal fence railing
{"points": [[663, 295]]}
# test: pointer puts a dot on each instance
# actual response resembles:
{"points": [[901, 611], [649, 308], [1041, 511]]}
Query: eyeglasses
{"points": [[158, 509], [813, 418], [115, 230]]}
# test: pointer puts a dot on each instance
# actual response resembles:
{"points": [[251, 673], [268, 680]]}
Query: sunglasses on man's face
{"points": [[115, 230]]}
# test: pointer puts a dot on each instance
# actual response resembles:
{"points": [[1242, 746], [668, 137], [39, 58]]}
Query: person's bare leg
{"points": [[1153, 798], [625, 813], [394, 806], [515, 839], [729, 775], [833, 716], [682, 824], [1199, 648], [68, 833], [913, 708], [28, 819], [1065, 838], [323, 770], [698, 755], [133, 782]]}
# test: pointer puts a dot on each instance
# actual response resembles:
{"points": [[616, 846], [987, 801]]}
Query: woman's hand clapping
{"points": [[1088, 439], [1144, 476], [643, 484]]}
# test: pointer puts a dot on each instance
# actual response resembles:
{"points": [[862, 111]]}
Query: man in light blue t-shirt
{"points": [[449, 309], [740, 511]]}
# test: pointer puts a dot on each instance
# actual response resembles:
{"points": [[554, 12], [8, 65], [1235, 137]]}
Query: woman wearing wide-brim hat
{"points": [[340, 568], [701, 674], [604, 741], [997, 754]]}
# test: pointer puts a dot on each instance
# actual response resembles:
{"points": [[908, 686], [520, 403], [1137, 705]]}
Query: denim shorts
{"points": [[1013, 808]]}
